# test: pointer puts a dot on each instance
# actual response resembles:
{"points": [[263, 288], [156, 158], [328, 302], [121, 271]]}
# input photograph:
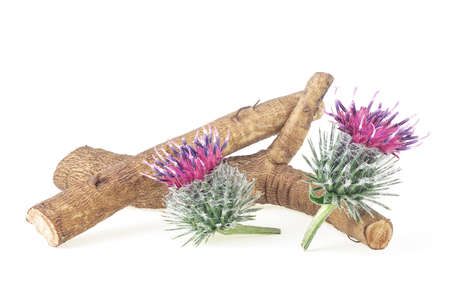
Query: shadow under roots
{"points": [[150, 221]]}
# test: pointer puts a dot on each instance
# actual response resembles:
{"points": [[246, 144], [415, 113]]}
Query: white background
{"points": [[126, 75]]}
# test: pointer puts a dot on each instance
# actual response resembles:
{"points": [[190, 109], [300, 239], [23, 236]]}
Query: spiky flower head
{"points": [[375, 128], [205, 195], [188, 162], [217, 203], [349, 175]]}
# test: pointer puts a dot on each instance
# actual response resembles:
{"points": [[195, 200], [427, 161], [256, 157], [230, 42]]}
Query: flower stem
{"points": [[317, 221], [244, 229]]}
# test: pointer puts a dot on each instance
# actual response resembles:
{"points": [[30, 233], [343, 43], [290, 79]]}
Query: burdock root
{"points": [[97, 183]]}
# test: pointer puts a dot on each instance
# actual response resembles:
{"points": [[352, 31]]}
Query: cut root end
{"points": [[44, 226], [378, 234]]}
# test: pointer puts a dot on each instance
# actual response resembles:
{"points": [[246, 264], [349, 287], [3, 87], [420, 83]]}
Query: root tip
{"points": [[378, 234], [44, 226]]}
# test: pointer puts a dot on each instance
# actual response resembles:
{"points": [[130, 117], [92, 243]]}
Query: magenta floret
{"points": [[376, 128], [188, 162]]}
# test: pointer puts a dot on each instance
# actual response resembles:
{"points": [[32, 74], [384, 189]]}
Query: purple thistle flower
{"points": [[188, 162], [375, 128]]}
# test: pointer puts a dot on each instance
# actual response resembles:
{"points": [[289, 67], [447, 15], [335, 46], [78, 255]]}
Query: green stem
{"points": [[318, 220], [244, 229]]}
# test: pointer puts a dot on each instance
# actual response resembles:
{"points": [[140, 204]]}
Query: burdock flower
{"points": [[348, 176], [206, 195], [356, 167], [375, 128]]}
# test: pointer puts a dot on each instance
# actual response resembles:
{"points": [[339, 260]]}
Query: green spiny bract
{"points": [[352, 175], [221, 200]]}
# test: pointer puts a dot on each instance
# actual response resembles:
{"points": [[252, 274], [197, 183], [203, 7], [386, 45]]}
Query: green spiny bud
{"points": [[352, 175], [217, 203]]}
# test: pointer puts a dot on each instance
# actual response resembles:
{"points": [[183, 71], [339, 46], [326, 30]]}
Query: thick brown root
{"points": [[80, 207]]}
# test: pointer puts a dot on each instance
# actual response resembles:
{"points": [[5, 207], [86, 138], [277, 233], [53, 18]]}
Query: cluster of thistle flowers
{"points": [[205, 195], [356, 165]]}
